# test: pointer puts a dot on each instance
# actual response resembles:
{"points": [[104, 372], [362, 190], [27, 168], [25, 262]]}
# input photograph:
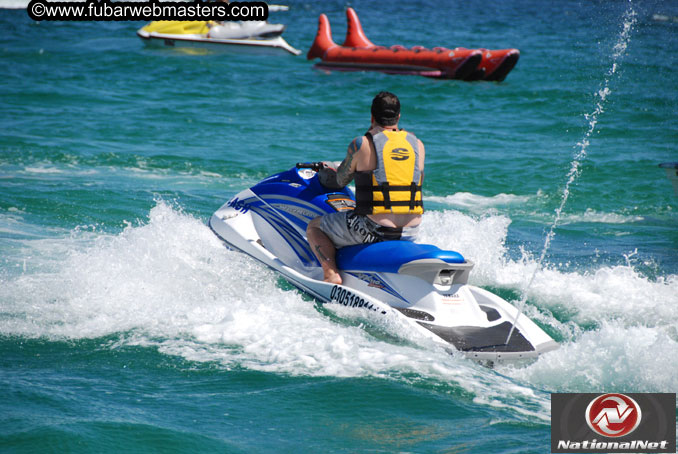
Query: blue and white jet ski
{"points": [[421, 283]]}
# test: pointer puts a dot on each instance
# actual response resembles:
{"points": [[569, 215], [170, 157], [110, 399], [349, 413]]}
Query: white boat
{"points": [[247, 36], [421, 284]]}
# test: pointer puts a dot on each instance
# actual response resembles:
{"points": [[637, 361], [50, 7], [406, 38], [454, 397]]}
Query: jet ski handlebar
{"points": [[317, 166], [327, 173]]}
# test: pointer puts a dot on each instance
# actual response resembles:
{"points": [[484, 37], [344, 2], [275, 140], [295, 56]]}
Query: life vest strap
{"points": [[396, 203], [413, 194], [384, 187], [410, 187]]}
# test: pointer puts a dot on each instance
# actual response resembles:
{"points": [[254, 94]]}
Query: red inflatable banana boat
{"points": [[359, 54]]}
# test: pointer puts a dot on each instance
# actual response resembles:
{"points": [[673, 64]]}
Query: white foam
{"points": [[637, 315], [168, 283], [609, 292], [480, 239], [612, 358], [13, 225], [481, 205], [592, 216], [141, 172], [43, 169], [467, 200]]}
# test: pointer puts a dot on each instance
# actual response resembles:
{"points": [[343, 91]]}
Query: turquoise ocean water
{"points": [[125, 326]]}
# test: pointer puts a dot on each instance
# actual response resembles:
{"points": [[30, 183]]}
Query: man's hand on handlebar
{"points": [[319, 165], [327, 172]]}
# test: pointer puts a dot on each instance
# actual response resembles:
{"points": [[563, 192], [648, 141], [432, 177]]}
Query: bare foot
{"points": [[324, 250], [332, 277]]}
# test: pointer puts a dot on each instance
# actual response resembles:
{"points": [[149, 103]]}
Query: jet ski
{"points": [[425, 286], [248, 36], [245, 30]]}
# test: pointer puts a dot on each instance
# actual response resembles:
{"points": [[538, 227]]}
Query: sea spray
{"points": [[628, 22], [168, 284]]}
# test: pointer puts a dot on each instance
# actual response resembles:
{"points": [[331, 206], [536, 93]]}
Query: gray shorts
{"points": [[345, 228]]}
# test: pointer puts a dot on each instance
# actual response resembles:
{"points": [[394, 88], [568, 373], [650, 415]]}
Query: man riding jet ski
{"points": [[388, 165], [378, 268]]}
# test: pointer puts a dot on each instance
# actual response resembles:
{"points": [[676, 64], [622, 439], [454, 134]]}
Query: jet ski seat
{"points": [[422, 260], [389, 256]]}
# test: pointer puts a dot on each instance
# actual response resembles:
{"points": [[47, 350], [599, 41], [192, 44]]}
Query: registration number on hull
{"points": [[347, 298]]}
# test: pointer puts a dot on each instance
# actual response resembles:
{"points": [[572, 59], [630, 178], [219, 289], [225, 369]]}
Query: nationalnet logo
{"points": [[613, 423], [613, 415]]}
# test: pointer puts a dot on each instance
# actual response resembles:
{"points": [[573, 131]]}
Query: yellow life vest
{"points": [[395, 185]]}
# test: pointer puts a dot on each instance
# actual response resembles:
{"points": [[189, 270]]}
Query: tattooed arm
{"points": [[348, 166]]}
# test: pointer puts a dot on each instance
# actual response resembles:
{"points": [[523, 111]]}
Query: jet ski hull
{"points": [[427, 288]]}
